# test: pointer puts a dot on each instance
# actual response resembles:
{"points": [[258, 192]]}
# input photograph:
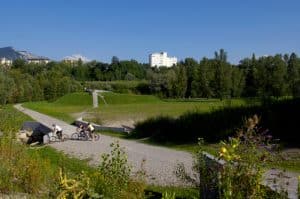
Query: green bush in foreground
{"points": [[111, 180], [240, 175]]}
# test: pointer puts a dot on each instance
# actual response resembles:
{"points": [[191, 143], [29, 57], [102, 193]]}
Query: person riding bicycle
{"points": [[90, 128], [57, 130], [81, 129]]}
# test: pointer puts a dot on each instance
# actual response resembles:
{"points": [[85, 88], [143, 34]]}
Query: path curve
{"points": [[160, 162]]}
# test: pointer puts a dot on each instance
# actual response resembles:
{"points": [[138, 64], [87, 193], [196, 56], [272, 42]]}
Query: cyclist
{"points": [[57, 130], [81, 129], [91, 130]]}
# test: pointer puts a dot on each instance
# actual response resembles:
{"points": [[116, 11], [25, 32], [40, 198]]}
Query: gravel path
{"points": [[159, 161]]}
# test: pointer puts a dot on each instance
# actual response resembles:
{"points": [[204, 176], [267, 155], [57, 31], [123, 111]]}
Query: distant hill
{"points": [[12, 54]]}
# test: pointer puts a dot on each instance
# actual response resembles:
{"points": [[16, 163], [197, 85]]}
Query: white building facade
{"points": [[161, 59], [38, 60], [4, 61]]}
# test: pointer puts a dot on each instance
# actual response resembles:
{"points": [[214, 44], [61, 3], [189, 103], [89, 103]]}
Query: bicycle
{"points": [[83, 135], [56, 138], [80, 135]]}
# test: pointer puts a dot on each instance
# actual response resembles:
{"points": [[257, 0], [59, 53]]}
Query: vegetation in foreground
{"points": [[42, 172], [238, 170]]}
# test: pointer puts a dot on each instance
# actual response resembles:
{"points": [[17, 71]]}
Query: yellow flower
{"points": [[223, 150]]}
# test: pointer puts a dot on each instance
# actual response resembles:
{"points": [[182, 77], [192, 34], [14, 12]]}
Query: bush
{"points": [[111, 180], [238, 170]]}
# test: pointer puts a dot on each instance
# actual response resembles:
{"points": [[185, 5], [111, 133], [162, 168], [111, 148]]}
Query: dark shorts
{"points": [[59, 134]]}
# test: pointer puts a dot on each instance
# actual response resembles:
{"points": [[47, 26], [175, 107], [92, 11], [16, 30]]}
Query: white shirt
{"points": [[57, 128]]}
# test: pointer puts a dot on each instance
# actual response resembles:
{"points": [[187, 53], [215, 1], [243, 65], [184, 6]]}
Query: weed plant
{"points": [[237, 173]]}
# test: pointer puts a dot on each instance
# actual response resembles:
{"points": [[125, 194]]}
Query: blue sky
{"points": [[131, 29]]}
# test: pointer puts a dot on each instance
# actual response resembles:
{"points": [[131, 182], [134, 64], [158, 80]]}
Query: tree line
{"points": [[265, 76]]}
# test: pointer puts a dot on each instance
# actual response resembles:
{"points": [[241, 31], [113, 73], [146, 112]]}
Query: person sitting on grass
{"points": [[91, 130]]}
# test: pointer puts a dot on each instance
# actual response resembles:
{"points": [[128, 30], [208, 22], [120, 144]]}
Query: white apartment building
{"points": [[161, 59], [4, 61], [38, 60]]}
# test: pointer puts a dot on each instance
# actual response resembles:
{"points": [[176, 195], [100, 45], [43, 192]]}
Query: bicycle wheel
{"points": [[84, 137], [53, 138], [75, 136]]}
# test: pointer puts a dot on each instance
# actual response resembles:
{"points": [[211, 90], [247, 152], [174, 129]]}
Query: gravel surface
{"points": [[159, 164]]}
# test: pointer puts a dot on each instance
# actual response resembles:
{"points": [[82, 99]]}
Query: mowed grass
{"points": [[65, 107], [124, 107]]}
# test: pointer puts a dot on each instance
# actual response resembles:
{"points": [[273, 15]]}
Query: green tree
{"points": [[250, 70], [222, 75], [115, 60], [190, 67], [237, 82], [200, 84], [293, 69], [271, 73], [181, 85], [5, 88]]}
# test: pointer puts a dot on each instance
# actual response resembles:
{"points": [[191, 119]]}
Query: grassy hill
{"points": [[124, 107], [74, 99], [117, 98]]}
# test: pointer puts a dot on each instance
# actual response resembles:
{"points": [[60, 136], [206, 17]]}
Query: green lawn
{"points": [[124, 107], [65, 108]]}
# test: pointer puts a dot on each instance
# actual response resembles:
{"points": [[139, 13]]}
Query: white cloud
{"points": [[76, 57]]}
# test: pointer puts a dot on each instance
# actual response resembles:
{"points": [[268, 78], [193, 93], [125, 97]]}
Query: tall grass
{"points": [[11, 120], [21, 170]]}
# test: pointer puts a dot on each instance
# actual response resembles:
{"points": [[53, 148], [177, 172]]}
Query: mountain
{"points": [[12, 54]]}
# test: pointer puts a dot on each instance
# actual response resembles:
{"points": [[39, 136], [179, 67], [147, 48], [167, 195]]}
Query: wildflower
{"points": [[223, 150]]}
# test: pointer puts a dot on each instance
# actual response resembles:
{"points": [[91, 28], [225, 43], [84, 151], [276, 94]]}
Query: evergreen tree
{"points": [[293, 69]]}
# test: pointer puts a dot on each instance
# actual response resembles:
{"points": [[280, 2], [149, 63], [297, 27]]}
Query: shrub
{"points": [[240, 174], [80, 187], [111, 180], [115, 169]]}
